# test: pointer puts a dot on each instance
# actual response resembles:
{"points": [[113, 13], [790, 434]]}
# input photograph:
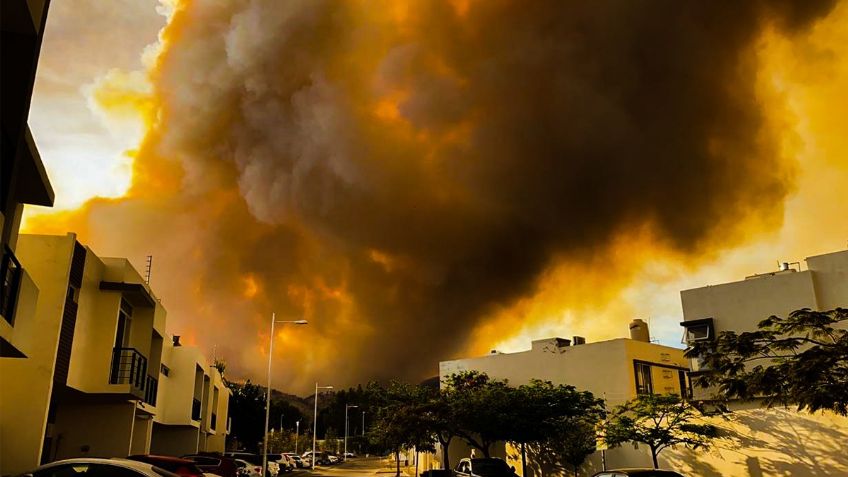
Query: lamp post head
{"points": [[301, 322]]}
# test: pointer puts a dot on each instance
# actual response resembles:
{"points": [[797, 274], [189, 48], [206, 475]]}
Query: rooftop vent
{"points": [[578, 340], [177, 340]]}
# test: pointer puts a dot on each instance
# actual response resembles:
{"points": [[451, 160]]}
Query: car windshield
{"points": [[490, 467]]}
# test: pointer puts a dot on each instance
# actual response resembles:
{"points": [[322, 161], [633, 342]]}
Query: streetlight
{"points": [[268, 391], [296, 435], [315, 421], [363, 425], [347, 406]]}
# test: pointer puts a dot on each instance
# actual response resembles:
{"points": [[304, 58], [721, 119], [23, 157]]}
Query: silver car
{"points": [[94, 467]]}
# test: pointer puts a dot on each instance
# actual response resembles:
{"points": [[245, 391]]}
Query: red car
{"points": [[214, 463], [181, 467]]}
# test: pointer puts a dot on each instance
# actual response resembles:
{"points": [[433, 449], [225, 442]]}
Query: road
{"points": [[359, 467]]}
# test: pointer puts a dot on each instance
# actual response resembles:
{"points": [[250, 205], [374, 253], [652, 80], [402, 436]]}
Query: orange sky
{"points": [[406, 177]]}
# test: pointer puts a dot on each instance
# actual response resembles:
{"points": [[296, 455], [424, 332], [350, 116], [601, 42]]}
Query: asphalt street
{"points": [[358, 467]]}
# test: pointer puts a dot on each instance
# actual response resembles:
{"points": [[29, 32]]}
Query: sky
{"points": [[427, 180]]}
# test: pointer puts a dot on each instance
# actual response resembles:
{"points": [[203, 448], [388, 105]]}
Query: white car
{"points": [[95, 466], [246, 469]]}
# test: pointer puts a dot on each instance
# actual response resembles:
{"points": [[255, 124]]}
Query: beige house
{"points": [[763, 441], [90, 384], [23, 179], [193, 404], [616, 370], [739, 306]]}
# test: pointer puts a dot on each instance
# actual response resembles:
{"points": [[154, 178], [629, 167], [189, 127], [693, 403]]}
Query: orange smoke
{"points": [[423, 179]]}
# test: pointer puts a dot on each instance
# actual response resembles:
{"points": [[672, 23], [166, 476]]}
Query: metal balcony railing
{"points": [[129, 366], [151, 389], [195, 409], [10, 281]]}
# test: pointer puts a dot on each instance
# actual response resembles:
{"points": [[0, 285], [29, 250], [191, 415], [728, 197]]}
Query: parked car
{"points": [[246, 469], [349, 455], [94, 467], [296, 459], [214, 463], [181, 467], [334, 459], [253, 461], [484, 467], [638, 473], [277, 464]]}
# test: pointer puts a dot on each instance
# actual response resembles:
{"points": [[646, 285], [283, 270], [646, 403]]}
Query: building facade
{"points": [[777, 441], [616, 370], [193, 415], [90, 385], [23, 179]]}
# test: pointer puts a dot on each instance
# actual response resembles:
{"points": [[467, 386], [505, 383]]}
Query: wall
{"points": [[174, 440], [27, 382], [830, 275], [94, 429], [739, 306]]}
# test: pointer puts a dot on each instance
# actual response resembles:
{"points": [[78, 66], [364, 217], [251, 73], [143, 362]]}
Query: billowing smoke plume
{"points": [[397, 172]]}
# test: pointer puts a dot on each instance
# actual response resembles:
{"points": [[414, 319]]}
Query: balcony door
{"points": [[122, 337]]}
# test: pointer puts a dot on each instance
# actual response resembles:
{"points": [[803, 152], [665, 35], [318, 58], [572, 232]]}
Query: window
{"points": [[644, 384], [164, 369], [698, 330]]}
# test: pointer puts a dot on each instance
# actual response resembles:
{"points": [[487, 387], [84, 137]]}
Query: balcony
{"points": [[10, 281], [195, 409], [129, 367], [151, 389]]}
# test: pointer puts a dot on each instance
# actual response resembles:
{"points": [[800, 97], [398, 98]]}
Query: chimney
{"points": [[639, 331], [177, 340]]}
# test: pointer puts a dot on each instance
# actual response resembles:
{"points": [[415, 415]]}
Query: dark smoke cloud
{"points": [[398, 173]]}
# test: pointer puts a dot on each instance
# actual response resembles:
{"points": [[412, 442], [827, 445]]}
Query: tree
{"points": [[573, 440], [801, 359], [480, 407], [660, 421], [331, 440], [247, 409], [543, 413], [400, 419]]}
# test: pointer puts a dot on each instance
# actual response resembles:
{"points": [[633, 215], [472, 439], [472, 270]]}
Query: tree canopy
{"points": [[801, 359], [660, 421]]}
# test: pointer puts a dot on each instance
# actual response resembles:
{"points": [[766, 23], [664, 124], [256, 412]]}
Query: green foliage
{"points": [[572, 441], [801, 359], [247, 410], [559, 421], [281, 441], [660, 421], [480, 407]]}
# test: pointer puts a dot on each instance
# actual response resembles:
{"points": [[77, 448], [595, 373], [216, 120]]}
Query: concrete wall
{"points": [[94, 429], [27, 382], [830, 276], [177, 390], [174, 440]]}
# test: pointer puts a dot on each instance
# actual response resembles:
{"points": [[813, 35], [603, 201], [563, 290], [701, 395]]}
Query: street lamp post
{"points": [[296, 435], [268, 390], [315, 421], [347, 406], [363, 423]]}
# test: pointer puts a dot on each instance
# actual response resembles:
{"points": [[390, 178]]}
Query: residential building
{"points": [[739, 306], [23, 179], [193, 406], [90, 383], [88, 386], [616, 370], [776, 440]]}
